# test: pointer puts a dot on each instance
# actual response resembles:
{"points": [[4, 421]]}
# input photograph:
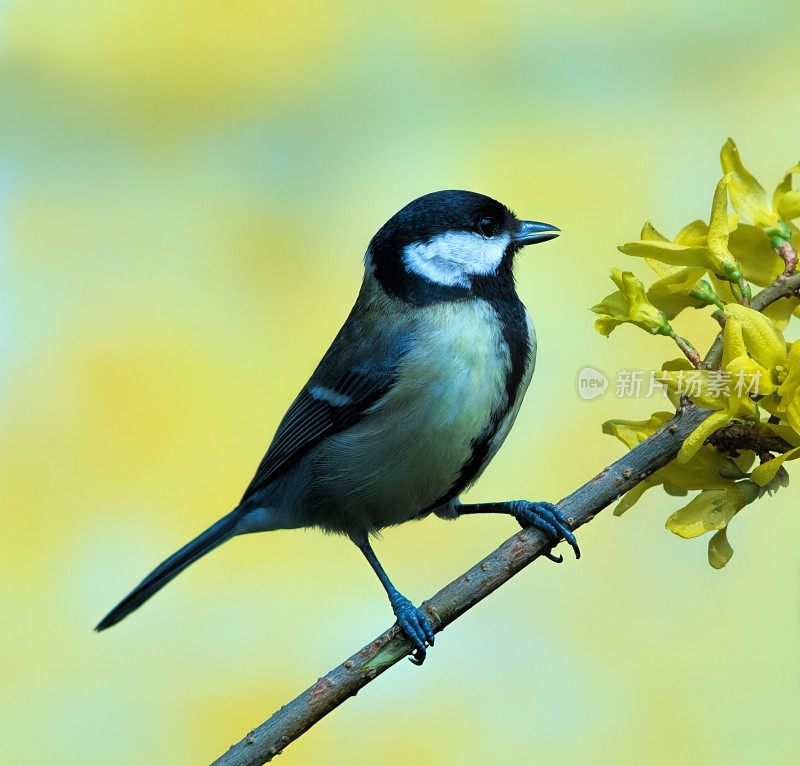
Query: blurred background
{"points": [[186, 192]]}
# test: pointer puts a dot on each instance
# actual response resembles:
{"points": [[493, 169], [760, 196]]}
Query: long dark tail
{"points": [[215, 535]]}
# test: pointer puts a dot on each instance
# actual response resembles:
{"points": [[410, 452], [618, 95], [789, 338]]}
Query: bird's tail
{"points": [[215, 535]]}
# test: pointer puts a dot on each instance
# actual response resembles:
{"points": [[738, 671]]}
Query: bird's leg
{"points": [[411, 619], [543, 516]]}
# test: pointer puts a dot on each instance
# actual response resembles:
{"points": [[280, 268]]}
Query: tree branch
{"points": [[295, 718], [739, 437]]}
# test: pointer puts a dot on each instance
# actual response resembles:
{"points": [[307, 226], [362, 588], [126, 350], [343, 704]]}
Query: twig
{"points": [[295, 718], [738, 437], [789, 256], [782, 287], [689, 351]]}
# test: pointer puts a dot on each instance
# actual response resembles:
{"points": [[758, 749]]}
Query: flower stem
{"points": [[787, 254], [689, 351], [745, 293]]}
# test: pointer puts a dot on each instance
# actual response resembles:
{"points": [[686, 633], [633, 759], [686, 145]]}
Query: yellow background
{"points": [[186, 192]]}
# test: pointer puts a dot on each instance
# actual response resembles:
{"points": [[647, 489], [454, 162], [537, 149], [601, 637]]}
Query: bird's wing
{"points": [[318, 412]]}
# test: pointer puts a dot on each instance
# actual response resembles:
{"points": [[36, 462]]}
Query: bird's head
{"points": [[448, 244]]}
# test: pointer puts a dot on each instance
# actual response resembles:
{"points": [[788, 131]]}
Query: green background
{"points": [[187, 189]]}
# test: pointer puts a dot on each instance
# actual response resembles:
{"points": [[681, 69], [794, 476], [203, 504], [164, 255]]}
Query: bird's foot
{"points": [[415, 625], [547, 518]]}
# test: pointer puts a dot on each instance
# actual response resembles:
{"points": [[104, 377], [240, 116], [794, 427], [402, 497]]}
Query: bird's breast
{"points": [[452, 393]]}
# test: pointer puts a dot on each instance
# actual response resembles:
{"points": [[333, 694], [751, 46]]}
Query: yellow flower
{"points": [[712, 509], [708, 468], [713, 390], [753, 250], [707, 388], [682, 289], [633, 432], [751, 377], [785, 200], [789, 389], [754, 361], [724, 486], [719, 549], [691, 248], [758, 372], [780, 312], [693, 233], [678, 288], [766, 472], [629, 304], [709, 253], [749, 198], [754, 335]]}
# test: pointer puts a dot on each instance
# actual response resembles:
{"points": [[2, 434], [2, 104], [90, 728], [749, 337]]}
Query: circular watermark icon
{"points": [[591, 383]]}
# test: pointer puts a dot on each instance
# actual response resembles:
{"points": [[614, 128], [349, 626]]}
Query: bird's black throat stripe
{"points": [[502, 297], [499, 292]]}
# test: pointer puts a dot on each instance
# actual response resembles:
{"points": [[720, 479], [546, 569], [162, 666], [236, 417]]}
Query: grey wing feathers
{"points": [[318, 412]]}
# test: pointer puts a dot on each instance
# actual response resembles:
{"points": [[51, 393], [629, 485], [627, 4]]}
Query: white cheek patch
{"points": [[453, 258]]}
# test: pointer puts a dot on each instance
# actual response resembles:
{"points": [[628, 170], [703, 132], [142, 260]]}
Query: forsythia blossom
{"points": [[710, 255], [752, 383], [629, 304], [750, 200]]}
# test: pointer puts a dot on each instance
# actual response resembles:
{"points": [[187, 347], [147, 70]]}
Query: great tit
{"points": [[410, 403]]}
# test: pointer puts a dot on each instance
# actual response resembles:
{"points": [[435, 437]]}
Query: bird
{"points": [[410, 403]]}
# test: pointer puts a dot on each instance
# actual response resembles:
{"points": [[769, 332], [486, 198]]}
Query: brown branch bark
{"points": [[789, 256], [739, 437], [295, 718]]}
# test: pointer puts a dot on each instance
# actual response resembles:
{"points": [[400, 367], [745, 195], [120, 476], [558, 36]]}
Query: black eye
{"points": [[488, 226]]}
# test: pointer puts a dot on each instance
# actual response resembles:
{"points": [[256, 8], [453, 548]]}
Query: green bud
{"points": [[786, 232], [706, 294], [781, 231], [744, 288]]}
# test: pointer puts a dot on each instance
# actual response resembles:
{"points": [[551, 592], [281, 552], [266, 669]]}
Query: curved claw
{"points": [[416, 626], [548, 518]]}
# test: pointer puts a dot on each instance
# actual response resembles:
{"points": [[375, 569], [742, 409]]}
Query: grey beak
{"points": [[531, 232]]}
